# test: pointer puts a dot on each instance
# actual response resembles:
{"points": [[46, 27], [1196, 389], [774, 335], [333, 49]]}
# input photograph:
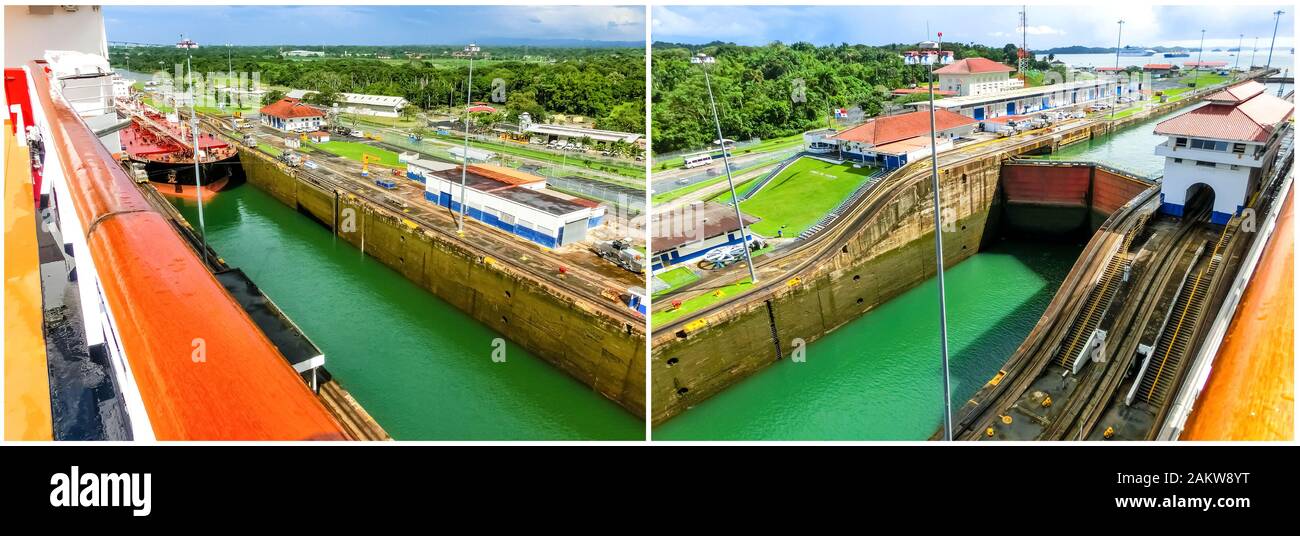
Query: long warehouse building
{"points": [[514, 202]]}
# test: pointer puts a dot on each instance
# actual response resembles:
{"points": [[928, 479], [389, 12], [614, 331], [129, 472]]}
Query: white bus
{"points": [[698, 159]]}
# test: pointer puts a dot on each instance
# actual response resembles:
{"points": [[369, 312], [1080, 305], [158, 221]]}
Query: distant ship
{"points": [[1176, 54], [1134, 51]]}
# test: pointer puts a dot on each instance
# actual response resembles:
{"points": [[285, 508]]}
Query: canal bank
{"points": [[513, 287], [878, 377], [420, 366], [883, 255]]}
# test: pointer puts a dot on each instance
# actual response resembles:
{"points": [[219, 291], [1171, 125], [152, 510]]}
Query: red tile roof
{"points": [[1109, 69], [1252, 120], [1206, 63], [892, 128], [290, 107], [974, 65], [911, 90], [1238, 93], [1159, 66]]}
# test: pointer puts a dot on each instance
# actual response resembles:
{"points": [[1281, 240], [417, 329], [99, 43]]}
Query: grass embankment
{"points": [[675, 278], [802, 195], [664, 312], [576, 161], [354, 150]]}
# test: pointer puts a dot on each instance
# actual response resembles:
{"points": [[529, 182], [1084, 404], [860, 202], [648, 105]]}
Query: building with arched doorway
{"points": [[1228, 145]]}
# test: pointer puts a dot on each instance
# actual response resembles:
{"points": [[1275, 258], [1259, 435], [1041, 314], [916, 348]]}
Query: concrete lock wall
{"points": [[597, 350], [890, 254]]}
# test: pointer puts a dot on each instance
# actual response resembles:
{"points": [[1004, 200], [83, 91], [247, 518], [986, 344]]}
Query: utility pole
{"points": [[471, 50], [194, 133], [1119, 37], [704, 61], [1237, 62], [938, 250], [1196, 73], [1277, 17]]}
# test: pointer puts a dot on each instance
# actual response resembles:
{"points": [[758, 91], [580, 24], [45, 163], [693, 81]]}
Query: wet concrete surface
{"points": [[85, 401]]}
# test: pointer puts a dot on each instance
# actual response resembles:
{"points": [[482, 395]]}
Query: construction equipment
{"points": [[290, 158], [621, 252]]}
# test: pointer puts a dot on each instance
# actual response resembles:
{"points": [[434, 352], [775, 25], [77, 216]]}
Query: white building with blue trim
{"points": [[514, 202], [1228, 145], [685, 234]]}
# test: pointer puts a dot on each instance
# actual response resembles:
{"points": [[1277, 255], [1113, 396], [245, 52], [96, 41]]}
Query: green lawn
{"points": [[270, 149], [354, 150], [802, 195], [376, 120], [665, 313], [677, 277], [630, 170]]}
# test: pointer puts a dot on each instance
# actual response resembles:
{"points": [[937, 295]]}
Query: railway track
{"points": [[779, 270], [801, 258], [542, 265]]}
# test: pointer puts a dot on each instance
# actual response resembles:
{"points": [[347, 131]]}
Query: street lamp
{"points": [[470, 50], [188, 45], [1196, 73], [1253, 49], [938, 247], [704, 61], [1277, 17], [1118, 37]]}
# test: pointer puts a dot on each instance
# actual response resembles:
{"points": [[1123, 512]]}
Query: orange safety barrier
{"points": [[167, 306], [1250, 394]]}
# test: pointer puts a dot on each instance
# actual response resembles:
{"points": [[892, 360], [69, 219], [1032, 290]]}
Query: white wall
{"points": [[28, 36], [436, 185], [1230, 186]]}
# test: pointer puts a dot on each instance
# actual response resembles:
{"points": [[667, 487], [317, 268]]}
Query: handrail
{"points": [[166, 305]]}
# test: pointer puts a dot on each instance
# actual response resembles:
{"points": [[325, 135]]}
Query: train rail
{"points": [[541, 266]]}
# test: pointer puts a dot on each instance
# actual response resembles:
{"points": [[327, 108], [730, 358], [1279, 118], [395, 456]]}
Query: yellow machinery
{"points": [[365, 163]]}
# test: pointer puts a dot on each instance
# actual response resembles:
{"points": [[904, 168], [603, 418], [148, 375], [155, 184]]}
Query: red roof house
{"points": [[974, 66], [287, 108], [1241, 113], [891, 128]]}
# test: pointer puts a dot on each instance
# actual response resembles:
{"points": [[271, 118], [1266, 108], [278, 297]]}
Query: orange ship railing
{"points": [[203, 369]]}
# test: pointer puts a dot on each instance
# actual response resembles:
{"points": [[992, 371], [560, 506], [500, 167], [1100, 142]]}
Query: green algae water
{"points": [[420, 367], [879, 377]]}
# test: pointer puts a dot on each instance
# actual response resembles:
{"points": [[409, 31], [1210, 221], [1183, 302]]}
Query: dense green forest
{"points": [[607, 84], [753, 86]]}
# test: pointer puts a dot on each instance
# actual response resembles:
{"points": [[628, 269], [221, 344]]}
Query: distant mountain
{"points": [[1107, 50], [559, 43]]}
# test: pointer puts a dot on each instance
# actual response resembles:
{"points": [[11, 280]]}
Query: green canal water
{"points": [[419, 366], [1132, 148], [879, 377]]}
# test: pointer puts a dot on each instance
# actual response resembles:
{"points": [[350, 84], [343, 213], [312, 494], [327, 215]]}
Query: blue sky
{"points": [[372, 25], [1049, 26]]}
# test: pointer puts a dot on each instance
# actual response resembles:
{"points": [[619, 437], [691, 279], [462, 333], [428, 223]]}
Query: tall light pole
{"points": [[1237, 61], [1119, 36], [938, 249], [1196, 73], [471, 50], [704, 61], [188, 45], [1254, 48], [1277, 17]]}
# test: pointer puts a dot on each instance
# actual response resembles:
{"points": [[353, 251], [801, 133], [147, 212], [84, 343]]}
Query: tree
{"points": [[1010, 53], [272, 96]]}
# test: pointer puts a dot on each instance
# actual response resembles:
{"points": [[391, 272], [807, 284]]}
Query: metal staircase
{"points": [[768, 178]]}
